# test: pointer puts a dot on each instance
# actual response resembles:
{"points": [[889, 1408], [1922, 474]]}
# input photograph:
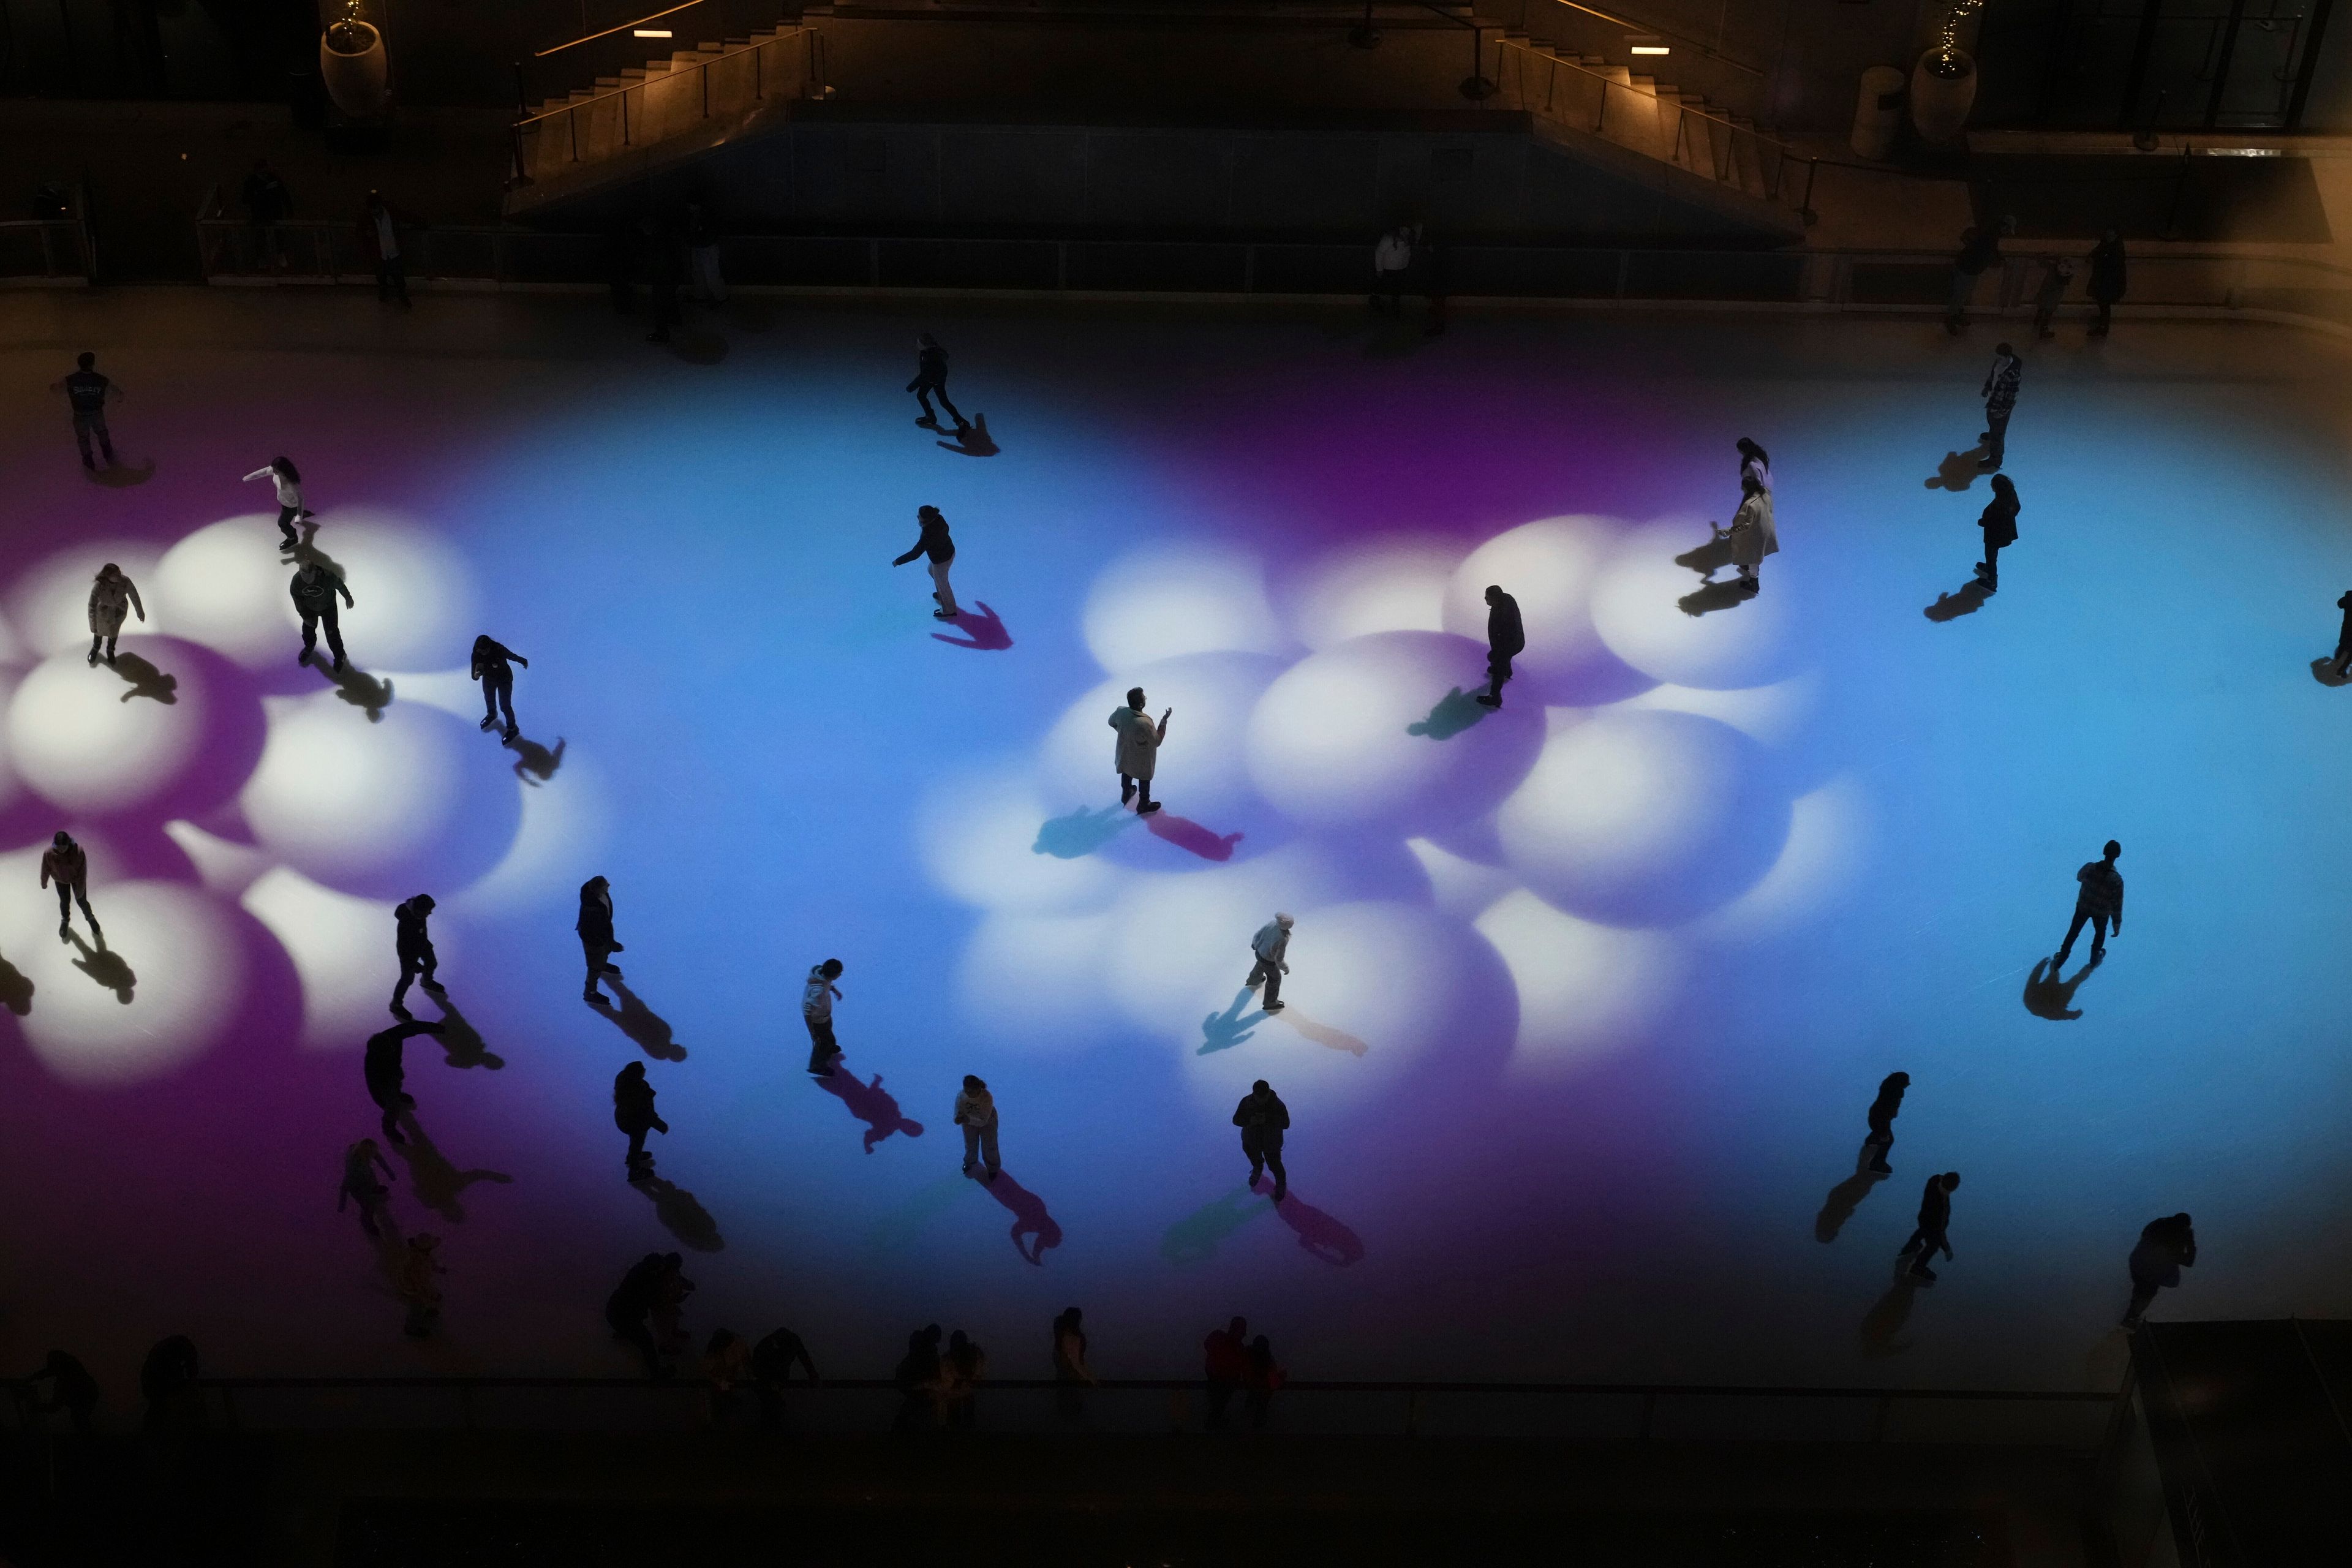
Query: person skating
{"points": [[387, 1074], [817, 998], [88, 392], [931, 381], [633, 1113], [64, 864], [2343, 636], [1137, 752], [1998, 521], [2001, 401], [1880, 1116], [1270, 960], [286, 480], [975, 1112], [1506, 638], [1264, 1119], [1752, 534], [1935, 1220], [935, 543], [314, 590], [2100, 902], [493, 667], [596, 942], [112, 596], [412, 943], [360, 1163], [2166, 1247]]}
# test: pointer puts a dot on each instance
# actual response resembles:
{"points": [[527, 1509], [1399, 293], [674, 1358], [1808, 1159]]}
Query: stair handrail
{"points": [[724, 53], [1665, 32]]}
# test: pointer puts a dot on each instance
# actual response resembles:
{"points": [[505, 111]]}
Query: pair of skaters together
{"points": [[975, 1107], [1751, 534]]}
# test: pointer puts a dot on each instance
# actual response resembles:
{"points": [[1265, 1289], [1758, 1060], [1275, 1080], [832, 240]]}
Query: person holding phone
{"points": [[1138, 750]]}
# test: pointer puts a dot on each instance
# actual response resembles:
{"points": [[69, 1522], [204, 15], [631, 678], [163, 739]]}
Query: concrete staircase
{"points": [[626, 124]]}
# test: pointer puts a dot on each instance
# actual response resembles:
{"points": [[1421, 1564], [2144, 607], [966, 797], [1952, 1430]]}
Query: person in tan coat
{"points": [[112, 596]]}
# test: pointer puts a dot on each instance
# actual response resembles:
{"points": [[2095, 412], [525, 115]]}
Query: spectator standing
{"points": [[1270, 950], [1138, 753], [1506, 638], [633, 1113], [918, 1378], [112, 596], [360, 1163], [2000, 401], [663, 264], [1935, 1220], [267, 204], [702, 237], [1979, 250], [420, 1287], [935, 543], [1880, 1116], [2166, 1247], [975, 1112], [931, 381], [773, 1360], [726, 1366], [1262, 1376], [595, 929], [71, 1389], [1226, 1362], [1436, 278], [494, 667], [961, 1371], [2057, 276], [1391, 267], [2107, 276], [88, 392], [2100, 902], [167, 1382], [1072, 1376], [1998, 521], [1264, 1119], [629, 1309], [64, 864], [285, 479], [817, 998], [379, 227], [314, 590]]}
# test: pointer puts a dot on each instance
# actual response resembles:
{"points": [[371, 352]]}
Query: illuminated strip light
{"points": [[651, 33], [2243, 151], [1651, 50], [1646, 44]]}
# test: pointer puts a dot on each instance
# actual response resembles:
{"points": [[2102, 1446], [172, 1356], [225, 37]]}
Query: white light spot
{"points": [[1586, 991], [1641, 607], [77, 742], [342, 952], [1165, 604], [1398, 588]]}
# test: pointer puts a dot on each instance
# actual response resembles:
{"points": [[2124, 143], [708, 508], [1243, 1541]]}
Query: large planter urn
{"points": [[352, 64], [1943, 90]]}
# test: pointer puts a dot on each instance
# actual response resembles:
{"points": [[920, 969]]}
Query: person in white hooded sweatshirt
{"points": [[282, 473]]}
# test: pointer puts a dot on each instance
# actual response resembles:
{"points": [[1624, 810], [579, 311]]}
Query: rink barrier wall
{"points": [[2179, 283], [49, 253]]}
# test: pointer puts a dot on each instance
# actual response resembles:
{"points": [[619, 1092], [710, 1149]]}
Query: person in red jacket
{"points": [[1226, 1352]]}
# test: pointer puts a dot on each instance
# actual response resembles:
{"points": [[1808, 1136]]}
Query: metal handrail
{"points": [[1662, 31], [50, 230], [628, 88]]}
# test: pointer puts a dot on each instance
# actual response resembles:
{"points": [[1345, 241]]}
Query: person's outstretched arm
{"points": [[349, 603], [261, 473], [1162, 733], [132, 589]]}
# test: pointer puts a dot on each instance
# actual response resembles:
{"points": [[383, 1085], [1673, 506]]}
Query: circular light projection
{"points": [[224, 586], [1036, 983], [1549, 567], [1396, 588], [1637, 818], [1586, 992], [1657, 615], [97, 739], [380, 810], [1386, 731], [993, 842], [159, 994], [412, 599], [1166, 603], [51, 602]]}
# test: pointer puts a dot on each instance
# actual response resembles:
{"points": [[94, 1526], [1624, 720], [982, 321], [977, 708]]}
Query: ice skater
{"points": [[387, 1074], [493, 669], [1506, 638], [1998, 521], [360, 1163], [2343, 636], [64, 864], [1752, 535], [2001, 401], [1138, 754], [314, 590], [975, 1112], [633, 1113], [595, 929], [817, 998], [414, 944], [2100, 902], [1935, 1220], [111, 595], [1264, 1119], [931, 381], [935, 543], [87, 394], [1881, 1114], [288, 479], [1269, 952], [2166, 1247]]}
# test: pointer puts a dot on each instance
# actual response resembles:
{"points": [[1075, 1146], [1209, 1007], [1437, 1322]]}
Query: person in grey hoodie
{"points": [[975, 1112], [817, 998], [1271, 947]]}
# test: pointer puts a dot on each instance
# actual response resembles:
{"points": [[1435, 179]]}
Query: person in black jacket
{"points": [[413, 944], [1264, 1119], [773, 1360], [627, 1310], [492, 668], [387, 1075], [1506, 638], [2100, 902], [917, 1378], [935, 543], [1883, 1112], [314, 590], [88, 393], [1998, 521], [2166, 1247], [595, 929], [1934, 1219], [2343, 636], [167, 1382], [931, 380], [633, 1113], [2107, 280]]}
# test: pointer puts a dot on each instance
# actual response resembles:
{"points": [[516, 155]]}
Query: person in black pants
{"points": [[314, 590], [1934, 1219], [1883, 1112], [2343, 636], [2166, 1247], [935, 541], [2001, 401], [2100, 902], [492, 668], [88, 393], [629, 1309], [633, 1113], [1998, 521], [1264, 1119], [413, 944], [385, 1075], [931, 380], [2107, 280], [595, 929], [773, 1360], [1506, 638]]}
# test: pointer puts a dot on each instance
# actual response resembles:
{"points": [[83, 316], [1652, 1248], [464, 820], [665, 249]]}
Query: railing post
{"points": [[1624, 266], [49, 261], [625, 117], [759, 73], [1413, 1413], [1249, 268], [1649, 1413], [572, 118], [704, 70], [1878, 1421], [465, 1404]]}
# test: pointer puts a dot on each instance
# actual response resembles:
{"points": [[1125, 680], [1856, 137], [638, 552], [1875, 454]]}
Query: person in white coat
{"points": [[288, 480], [975, 1112], [1752, 536], [112, 596], [1138, 757]]}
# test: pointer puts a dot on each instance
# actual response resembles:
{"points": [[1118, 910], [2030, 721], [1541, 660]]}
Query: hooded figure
{"points": [[111, 597], [633, 1113], [595, 929]]}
